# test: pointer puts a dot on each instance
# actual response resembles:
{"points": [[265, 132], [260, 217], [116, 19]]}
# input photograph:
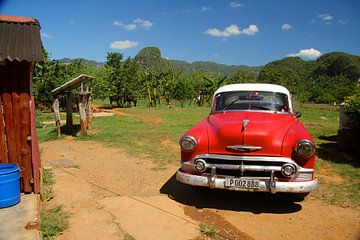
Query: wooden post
{"points": [[88, 110], [82, 113], [57, 116], [69, 116]]}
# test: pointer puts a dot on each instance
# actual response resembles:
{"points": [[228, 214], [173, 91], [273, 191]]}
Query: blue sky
{"points": [[232, 32]]}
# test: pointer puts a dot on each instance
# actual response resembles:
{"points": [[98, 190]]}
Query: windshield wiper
{"points": [[228, 105], [262, 108]]}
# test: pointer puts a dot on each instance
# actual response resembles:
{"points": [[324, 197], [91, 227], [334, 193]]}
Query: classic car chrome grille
{"points": [[244, 166]]}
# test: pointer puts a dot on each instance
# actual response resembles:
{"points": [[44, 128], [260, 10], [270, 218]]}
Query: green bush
{"points": [[352, 104], [352, 109]]}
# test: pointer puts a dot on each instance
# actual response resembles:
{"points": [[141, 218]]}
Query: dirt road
{"points": [[112, 195]]}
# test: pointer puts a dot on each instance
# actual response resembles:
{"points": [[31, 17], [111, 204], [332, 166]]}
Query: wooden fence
{"points": [[18, 140]]}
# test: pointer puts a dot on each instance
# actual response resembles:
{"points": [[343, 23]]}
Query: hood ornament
{"points": [[244, 124]]}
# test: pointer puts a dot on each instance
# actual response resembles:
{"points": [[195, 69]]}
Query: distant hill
{"points": [[85, 61], [328, 79], [212, 67], [185, 67]]}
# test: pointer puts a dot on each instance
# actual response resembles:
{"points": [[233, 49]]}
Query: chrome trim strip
{"points": [[264, 186], [243, 148]]}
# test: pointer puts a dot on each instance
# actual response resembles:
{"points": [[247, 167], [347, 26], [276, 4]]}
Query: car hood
{"points": [[263, 131]]}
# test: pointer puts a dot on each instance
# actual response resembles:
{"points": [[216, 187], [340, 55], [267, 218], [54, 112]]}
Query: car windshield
{"points": [[251, 100]]}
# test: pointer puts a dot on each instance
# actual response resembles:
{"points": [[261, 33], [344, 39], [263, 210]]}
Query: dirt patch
{"points": [[116, 112], [329, 175], [224, 229], [155, 217], [111, 194]]}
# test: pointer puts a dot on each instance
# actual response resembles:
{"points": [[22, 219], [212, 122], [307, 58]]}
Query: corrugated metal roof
{"points": [[17, 19], [20, 39]]}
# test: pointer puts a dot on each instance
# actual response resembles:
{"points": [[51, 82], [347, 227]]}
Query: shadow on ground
{"points": [[72, 130], [228, 200], [329, 151]]}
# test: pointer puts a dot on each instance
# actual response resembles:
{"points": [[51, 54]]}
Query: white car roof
{"points": [[253, 87], [265, 87]]}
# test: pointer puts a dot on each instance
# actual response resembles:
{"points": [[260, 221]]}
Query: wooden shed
{"points": [[20, 49]]}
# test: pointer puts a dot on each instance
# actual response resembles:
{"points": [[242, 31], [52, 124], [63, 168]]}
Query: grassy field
{"points": [[153, 133]]}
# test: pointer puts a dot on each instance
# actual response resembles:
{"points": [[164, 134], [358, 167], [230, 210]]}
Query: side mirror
{"points": [[297, 114]]}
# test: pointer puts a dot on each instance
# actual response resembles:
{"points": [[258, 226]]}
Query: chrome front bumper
{"points": [[268, 185]]}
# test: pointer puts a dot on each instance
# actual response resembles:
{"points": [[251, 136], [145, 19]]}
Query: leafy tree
{"points": [[184, 90], [243, 77], [155, 68], [48, 75], [114, 65]]}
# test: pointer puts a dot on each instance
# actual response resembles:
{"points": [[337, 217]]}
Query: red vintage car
{"points": [[251, 141]]}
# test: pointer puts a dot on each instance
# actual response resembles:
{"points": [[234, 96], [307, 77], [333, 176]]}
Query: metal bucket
{"points": [[9, 185]]}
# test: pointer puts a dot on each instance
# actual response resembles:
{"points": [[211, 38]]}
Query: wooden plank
{"points": [[10, 131], [35, 152], [3, 148], [15, 100], [25, 126], [25, 130], [4, 158]]}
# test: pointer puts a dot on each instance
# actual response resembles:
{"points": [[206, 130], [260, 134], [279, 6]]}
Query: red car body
{"points": [[251, 141]]}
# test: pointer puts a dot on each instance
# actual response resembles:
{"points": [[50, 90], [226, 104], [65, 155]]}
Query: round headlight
{"points": [[305, 148], [200, 165], [188, 143], [288, 170]]}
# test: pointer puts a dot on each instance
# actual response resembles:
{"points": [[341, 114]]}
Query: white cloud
{"points": [[232, 30], [235, 5], [123, 44], [130, 26], [286, 27], [251, 30], [71, 22], [205, 8], [143, 23], [343, 21], [45, 35], [310, 53], [146, 24], [325, 17]]}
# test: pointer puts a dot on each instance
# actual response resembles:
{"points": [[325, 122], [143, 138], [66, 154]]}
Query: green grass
{"points": [[53, 222], [128, 237], [207, 230], [147, 132], [153, 133], [48, 180]]}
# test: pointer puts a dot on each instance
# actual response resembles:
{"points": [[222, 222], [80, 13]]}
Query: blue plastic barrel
{"points": [[9, 185]]}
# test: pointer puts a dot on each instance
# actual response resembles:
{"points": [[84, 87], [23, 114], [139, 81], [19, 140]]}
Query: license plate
{"points": [[242, 183]]}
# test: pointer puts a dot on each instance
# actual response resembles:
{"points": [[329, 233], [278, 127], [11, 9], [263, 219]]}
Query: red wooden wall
{"points": [[16, 140]]}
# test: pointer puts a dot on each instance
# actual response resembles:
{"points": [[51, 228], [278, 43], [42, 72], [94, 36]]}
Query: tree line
{"points": [[149, 76]]}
